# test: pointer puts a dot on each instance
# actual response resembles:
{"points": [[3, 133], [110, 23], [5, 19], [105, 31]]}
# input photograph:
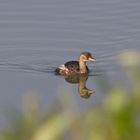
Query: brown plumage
{"points": [[76, 67]]}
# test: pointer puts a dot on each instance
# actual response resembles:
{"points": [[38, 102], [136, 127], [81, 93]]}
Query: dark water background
{"points": [[38, 35]]}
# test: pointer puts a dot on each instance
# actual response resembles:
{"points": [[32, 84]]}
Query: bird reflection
{"points": [[81, 80]]}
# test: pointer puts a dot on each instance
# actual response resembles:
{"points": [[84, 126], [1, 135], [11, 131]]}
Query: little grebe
{"points": [[76, 67]]}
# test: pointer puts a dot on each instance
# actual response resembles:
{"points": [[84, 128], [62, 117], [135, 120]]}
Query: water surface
{"points": [[36, 36]]}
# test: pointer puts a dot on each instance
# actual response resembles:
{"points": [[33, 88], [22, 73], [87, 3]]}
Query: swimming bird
{"points": [[76, 67]]}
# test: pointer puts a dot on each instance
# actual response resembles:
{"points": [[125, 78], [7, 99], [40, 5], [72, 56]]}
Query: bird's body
{"points": [[75, 67]]}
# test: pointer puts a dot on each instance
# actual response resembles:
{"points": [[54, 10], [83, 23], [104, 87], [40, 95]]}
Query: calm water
{"points": [[36, 36]]}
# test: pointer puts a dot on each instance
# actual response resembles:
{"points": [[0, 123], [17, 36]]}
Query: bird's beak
{"points": [[92, 59]]}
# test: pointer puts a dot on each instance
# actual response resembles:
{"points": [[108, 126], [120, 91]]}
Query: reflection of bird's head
{"points": [[85, 93], [86, 56]]}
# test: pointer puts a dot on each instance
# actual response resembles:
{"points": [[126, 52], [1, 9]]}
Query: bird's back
{"points": [[72, 66], [69, 68]]}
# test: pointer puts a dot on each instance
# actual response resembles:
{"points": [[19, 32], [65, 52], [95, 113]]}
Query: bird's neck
{"points": [[82, 66]]}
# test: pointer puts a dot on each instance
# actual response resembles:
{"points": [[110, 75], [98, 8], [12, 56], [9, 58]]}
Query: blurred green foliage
{"points": [[116, 118]]}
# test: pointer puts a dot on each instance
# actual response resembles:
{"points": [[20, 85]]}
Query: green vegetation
{"points": [[116, 118]]}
